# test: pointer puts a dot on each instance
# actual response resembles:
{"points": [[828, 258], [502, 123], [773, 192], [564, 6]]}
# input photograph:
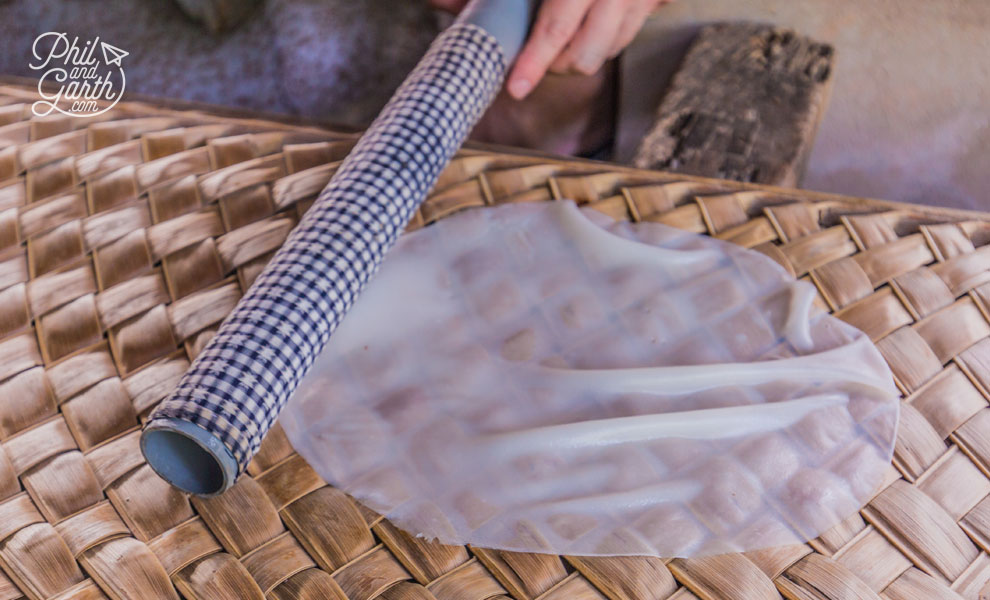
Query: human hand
{"points": [[571, 36]]}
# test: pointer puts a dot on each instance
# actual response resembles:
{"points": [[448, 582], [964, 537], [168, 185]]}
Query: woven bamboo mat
{"points": [[126, 238]]}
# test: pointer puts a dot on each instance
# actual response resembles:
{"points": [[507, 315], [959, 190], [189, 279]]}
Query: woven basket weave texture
{"points": [[126, 238]]}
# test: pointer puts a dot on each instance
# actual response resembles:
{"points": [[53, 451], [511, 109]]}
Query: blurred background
{"points": [[907, 116]]}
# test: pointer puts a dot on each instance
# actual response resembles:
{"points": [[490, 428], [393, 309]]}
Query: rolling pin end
{"points": [[188, 457]]}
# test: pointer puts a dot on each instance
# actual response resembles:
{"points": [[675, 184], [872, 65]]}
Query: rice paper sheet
{"points": [[537, 377]]}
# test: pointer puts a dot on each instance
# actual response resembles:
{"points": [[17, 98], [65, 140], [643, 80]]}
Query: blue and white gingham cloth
{"points": [[240, 382]]}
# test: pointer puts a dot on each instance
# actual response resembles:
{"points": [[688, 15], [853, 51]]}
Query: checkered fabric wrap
{"points": [[239, 383]]}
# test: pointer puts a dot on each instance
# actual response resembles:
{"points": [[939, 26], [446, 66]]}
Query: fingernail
{"points": [[588, 64], [519, 88]]}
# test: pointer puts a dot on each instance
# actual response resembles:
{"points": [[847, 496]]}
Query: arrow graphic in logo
{"points": [[113, 51]]}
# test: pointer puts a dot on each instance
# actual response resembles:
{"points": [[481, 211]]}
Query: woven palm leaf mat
{"points": [[126, 238]]}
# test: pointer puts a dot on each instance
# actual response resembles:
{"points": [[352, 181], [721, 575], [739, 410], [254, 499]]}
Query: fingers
{"points": [[556, 24], [576, 35], [632, 22], [590, 47], [451, 6]]}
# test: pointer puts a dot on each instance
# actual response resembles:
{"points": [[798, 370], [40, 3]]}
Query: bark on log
{"points": [[745, 105]]}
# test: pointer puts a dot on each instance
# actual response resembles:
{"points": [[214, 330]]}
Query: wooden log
{"points": [[745, 105]]}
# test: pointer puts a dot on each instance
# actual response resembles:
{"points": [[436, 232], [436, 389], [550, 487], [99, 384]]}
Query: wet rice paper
{"points": [[537, 377]]}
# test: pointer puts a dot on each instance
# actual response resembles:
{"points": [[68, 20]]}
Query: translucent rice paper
{"points": [[538, 378]]}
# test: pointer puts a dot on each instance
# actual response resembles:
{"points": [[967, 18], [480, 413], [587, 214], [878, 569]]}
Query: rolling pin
{"points": [[204, 434]]}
